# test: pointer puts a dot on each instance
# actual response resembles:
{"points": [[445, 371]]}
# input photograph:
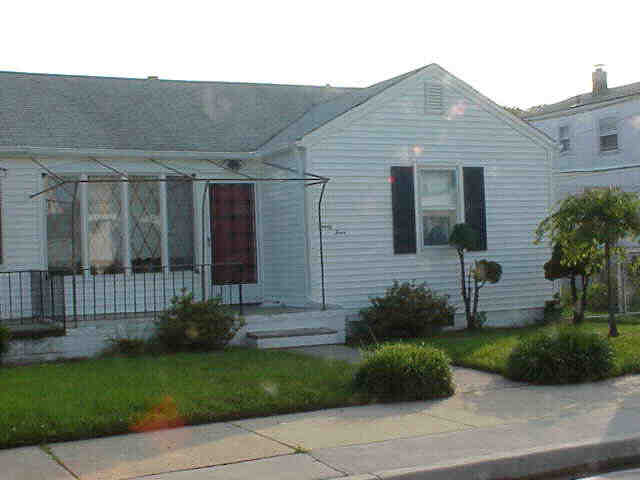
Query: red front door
{"points": [[233, 225]]}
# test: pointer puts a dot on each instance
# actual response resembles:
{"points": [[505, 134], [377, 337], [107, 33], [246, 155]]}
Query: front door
{"points": [[234, 245]]}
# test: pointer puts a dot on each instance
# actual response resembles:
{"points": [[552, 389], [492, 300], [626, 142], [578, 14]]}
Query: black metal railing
{"points": [[70, 296]]}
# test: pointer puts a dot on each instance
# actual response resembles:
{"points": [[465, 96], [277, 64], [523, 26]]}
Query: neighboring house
{"points": [[598, 134], [406, 159]]}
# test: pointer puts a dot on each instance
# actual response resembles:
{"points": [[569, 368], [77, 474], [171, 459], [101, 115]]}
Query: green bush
{"points": [[5, 336], [597, 299], [552, 310], [127, 346], [405, 372], [191, 325], [407, 311], [561, 355]]}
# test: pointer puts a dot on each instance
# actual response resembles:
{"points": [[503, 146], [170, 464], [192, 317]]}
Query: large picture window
{"points": [[119, 236]]}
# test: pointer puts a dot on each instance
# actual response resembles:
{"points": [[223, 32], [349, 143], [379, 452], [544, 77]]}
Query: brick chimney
{"points": [[599, 78]]}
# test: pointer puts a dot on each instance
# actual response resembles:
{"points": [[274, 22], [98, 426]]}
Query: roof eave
{"points": [[29, 151]]}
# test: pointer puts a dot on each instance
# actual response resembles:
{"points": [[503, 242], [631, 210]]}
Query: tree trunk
{"points": [[574, 299], [613, 328], [464, 290], [476, 293], [583, 300]]}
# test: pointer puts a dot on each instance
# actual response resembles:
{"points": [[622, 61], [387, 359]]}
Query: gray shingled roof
{"points": [[585, 99], [38, 110]]}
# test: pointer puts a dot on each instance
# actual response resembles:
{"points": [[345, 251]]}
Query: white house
{"points": [[132, 189], [599, 135]]}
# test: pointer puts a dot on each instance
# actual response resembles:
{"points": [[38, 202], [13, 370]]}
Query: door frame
{"points": [[257, 207]]}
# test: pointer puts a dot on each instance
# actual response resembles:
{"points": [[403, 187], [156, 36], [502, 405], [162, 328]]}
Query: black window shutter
{"points": [[403, 205], [474, 202]]}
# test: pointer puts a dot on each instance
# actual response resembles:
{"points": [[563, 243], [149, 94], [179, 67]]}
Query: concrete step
{"points": [[294, 337]]}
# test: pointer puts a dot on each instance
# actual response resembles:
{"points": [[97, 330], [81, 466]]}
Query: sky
{"points": [[516, 55]]}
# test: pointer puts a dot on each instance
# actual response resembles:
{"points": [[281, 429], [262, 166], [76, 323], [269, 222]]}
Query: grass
{"points": [[488, 349], [113, 395]]}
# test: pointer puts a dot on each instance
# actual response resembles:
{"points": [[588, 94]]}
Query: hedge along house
{"points": [[118, 192]]}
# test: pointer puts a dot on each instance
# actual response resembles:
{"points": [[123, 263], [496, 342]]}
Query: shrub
{"points": [[597, 297], [127, 346], [407, 311], [191, 325], [552, 310], [405, 372], [561, 355], [5, 336]]}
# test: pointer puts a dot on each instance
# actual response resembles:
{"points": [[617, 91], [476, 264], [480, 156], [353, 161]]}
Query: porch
{"points": [[38, 342]]}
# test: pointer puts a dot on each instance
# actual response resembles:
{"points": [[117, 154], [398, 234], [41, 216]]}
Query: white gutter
{"points": [[598, 170]]}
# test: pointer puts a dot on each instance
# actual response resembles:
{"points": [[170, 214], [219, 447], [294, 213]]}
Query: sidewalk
{"points": [[491, 428]]}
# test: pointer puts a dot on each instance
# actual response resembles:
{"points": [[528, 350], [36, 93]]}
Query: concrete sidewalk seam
{"points": [[295, 448], [215, 465], [328, 465], [47, 451]]}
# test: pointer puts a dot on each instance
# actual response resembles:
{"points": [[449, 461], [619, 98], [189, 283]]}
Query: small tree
{"points": [[596, 219], [464, 238], [556, 268]]}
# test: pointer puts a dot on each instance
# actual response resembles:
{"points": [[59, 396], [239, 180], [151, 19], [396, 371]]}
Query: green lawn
{"points": [[489, 348], [105, 396]]}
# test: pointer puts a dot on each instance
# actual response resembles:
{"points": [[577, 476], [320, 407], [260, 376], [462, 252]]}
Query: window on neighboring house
{"points": [[563, 137], [439, 206], [438, 203], [608, 128], [106, 221]]}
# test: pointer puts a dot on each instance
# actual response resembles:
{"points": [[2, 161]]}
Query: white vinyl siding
{"points": [[357, 211], [584, 128], [285, 273]]}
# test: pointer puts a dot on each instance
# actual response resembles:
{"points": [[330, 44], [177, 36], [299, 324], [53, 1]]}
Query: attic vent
{"points": [[433, 101]]}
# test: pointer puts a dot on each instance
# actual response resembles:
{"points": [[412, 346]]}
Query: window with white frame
{"points": [[438, 204], [608, 131], [563, 138], [62, 207], [119, 235]]}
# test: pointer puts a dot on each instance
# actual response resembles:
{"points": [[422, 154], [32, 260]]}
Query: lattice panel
{"points": [[105, 225], [145, 223]]}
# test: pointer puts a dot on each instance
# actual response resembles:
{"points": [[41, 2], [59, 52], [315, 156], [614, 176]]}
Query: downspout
{"points": [[324, 304]]}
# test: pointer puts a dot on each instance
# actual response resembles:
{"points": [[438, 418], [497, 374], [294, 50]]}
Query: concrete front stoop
{"points": [[294, 337]]}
